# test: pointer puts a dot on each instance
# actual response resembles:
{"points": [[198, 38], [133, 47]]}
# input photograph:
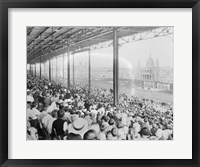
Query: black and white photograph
{"points": [[100, 83]]}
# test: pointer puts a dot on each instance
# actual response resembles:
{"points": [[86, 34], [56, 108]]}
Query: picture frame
{"points": [[4, 85]]}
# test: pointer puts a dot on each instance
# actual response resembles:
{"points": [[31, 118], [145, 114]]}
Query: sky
{"points": [[132, 53]]}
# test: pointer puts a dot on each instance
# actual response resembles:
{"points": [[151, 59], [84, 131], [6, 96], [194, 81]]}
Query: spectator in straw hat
{"points": [[79, 126]]}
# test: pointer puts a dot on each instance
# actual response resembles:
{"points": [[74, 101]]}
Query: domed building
{"points": [[150, 62], [154, 76], [150, 71]]}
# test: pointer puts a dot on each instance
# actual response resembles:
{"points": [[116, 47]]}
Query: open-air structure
{"points": [[46, 43]]}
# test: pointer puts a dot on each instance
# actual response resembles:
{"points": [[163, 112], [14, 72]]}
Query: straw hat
{"points": [[79, 126]]}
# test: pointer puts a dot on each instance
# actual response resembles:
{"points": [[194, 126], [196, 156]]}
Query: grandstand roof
{"points": [[45, 42]]}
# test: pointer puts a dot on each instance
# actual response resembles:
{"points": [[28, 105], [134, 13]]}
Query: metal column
{"points": [[73, 72], [49, 70], [63, 69], [56, 67], [52, 72], [35, 70], [40, 68], [89, 70], [115, 66], [68, 67]]}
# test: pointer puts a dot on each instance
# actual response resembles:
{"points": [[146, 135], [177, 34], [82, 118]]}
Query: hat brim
{"points": [[81, 131]]}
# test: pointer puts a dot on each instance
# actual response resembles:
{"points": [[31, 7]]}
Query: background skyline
{"points": [[132, 53]]}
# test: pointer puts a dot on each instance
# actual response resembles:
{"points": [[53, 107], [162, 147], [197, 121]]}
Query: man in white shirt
{"points": [[33, 113], [29, 97]]}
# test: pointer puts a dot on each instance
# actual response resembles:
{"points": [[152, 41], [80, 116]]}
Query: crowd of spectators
{"points": [[55, 112]]}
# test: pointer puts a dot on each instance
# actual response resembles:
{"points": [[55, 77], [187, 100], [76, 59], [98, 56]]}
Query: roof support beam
{"points": [[30, 69], [30, 31], [115, 66], [63, 68], [89, 70], [56, 67], [40, 46], [54, 32], [49, 70], [68, 68], [38, 36], [40, 68], [73, 72], [35, 69]]}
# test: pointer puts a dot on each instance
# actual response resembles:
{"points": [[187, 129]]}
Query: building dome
{"points": [[150, 62]]}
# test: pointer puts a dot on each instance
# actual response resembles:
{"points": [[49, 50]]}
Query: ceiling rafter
{"points": [[38, 35], [52, 44], [30, 30], [77, 38], [41, 46], [58, 44]]}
